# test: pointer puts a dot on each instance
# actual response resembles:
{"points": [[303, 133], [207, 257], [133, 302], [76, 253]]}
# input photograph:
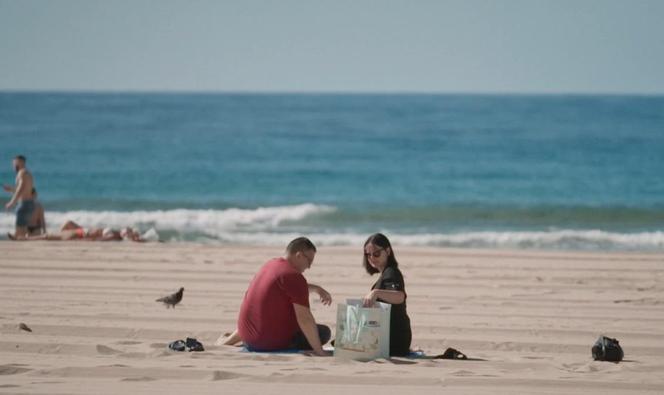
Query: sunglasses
{"points": [[374, 254]]}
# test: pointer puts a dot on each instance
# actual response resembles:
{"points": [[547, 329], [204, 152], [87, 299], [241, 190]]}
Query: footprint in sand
{"points": [[369, 372], [134, 355], [104, 350], [163, 354], [589, 367], [223, 375], [463, 373], [313, 369], [143, 378], [128, 342], [47, 382], [6, 370]]}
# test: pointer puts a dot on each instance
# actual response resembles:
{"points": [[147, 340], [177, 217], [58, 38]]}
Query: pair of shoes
{"points": [[190, 345], [451, 353]]}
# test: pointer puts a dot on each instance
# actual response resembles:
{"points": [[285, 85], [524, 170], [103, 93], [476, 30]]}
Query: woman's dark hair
{"points": [[380, 240]]}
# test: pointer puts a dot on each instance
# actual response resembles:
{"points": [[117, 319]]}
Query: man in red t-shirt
{"points": [[275, 312]]}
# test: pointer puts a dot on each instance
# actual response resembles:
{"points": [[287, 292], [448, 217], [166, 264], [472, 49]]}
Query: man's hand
{"points": [[8, 205], [320, 353], [325, 296], [370, 299], [229, 339], [7, 188]]}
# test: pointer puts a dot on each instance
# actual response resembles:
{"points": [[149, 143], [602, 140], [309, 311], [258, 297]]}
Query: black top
{"points": [[391, 279]]}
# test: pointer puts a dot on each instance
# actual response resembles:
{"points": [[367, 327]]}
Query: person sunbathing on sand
{"points": [[73, 231]]}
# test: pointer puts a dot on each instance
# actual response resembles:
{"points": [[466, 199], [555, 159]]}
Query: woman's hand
{"points": [[370, 298]]}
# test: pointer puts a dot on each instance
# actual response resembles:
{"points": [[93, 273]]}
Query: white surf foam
{"points": [[563, 239], [182, 220], [278, 225]]}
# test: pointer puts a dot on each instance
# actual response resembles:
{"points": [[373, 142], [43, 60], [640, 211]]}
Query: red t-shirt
{"points": [[267, 318]]}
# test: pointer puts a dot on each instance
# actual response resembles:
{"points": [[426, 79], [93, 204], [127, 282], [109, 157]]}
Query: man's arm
{"points": [[17, 190], [8, 188], [325, 296], [307, 325]]}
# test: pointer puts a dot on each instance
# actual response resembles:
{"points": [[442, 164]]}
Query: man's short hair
{"points": [[20, 157], [299, 245]]}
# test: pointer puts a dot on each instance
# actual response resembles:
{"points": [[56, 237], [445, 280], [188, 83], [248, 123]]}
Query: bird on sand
{"points": [[172, 299]]}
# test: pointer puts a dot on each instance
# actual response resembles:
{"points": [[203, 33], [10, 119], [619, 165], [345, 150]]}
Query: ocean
{"points": [[554, 172]]}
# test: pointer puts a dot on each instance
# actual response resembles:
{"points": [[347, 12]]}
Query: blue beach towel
{"points": [[284, 351]]}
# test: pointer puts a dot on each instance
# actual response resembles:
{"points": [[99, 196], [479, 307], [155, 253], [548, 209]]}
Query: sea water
{"points": [[507, 171]]}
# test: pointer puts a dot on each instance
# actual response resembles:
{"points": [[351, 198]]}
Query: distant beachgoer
{"points": [[21, 196], [389, 288], [37, 224], [275, 312], [70, 230]]}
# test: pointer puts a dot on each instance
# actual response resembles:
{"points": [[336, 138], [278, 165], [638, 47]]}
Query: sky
{"points": [[470, 46]]}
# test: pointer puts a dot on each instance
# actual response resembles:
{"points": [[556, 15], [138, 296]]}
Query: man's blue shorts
{"points": [[24, 211]]}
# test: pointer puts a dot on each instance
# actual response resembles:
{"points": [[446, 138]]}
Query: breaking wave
{"points": [[277, 225]]}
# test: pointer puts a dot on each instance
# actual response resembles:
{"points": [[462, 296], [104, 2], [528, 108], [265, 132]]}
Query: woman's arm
{"points": [[391, 297]]}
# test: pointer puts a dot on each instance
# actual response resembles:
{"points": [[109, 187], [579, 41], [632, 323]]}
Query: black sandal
{"points": [[451, 353], [177, 345], [194, 345]]}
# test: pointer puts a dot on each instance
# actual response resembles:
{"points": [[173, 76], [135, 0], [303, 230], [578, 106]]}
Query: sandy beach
{"points": [[530, 318]]}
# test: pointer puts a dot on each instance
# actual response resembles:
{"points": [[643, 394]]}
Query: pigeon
{"points": [[24, 327], [172, 299]]}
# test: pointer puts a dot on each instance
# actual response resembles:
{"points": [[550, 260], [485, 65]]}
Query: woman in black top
{"points": [[390, 288]]}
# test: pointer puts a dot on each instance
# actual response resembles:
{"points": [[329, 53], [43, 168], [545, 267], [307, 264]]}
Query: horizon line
{"points": [[330, 92]]}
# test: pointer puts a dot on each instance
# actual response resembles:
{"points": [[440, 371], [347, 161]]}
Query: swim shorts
{"points": [[24, 211]]}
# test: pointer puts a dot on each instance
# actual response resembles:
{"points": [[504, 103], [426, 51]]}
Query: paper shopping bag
{"points": [[363, 333]]}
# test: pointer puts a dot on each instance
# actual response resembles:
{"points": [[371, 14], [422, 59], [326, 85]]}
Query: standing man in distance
{"points": [[275, 312], [21, 196]]}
